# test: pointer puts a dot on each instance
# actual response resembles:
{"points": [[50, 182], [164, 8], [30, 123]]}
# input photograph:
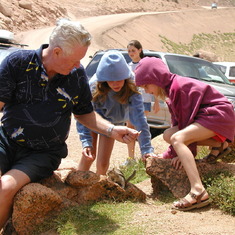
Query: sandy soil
{"points": [[115, 31]]}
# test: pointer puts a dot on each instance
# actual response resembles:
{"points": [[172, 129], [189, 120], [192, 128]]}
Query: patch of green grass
{"points": [[221, 44], [99, 218], [141, 174], [202, 152], [221, 187]]}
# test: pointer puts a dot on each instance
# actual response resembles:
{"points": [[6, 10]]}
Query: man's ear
{"points": [[57, 51]]}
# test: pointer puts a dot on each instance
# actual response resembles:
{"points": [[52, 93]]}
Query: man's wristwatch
{"points": [[109, 130]]}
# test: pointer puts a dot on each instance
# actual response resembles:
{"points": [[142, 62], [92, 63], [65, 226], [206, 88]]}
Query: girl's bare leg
{"points": [[105, 148], [209, 142], [169, 132], [85, 162], [180, 140], [131, 145]]}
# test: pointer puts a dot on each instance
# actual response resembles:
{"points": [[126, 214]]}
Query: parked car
{"points": [[7, 44], [228, 69], [183, 65], [214, 5]]}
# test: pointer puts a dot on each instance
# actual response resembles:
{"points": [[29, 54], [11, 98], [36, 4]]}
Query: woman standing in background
{"points": [[135, 51]]}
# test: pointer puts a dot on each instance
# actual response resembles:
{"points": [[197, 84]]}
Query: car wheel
{"points": [[155, 132]]}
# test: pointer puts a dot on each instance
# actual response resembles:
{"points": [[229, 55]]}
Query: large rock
{"points": [[207, 55], [21, 15], [163, 175], [5, 8], [25, 4], [32, 205], [36, 202]]}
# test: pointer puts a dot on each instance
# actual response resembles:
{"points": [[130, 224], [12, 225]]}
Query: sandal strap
{"points": [[183, 203], [216, 148], [210, 158], [198, 198], [220, 148]]}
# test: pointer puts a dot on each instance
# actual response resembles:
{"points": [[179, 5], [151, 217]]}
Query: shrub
{"points": [[221, 187]]}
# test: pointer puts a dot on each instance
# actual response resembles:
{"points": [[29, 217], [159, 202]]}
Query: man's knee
{"points": [[7, 189], [11, 185]]}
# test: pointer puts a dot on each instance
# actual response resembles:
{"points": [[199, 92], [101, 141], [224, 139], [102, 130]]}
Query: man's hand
{"points": [[124, 134]]}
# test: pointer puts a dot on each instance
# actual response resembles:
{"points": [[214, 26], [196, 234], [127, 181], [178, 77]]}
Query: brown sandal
{"points": [[212, 159], [185, 205]]}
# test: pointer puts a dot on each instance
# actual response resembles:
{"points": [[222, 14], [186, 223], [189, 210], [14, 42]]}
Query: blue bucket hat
{"points": [[112, 67]]}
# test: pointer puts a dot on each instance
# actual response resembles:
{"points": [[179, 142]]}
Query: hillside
{"points": [[21, 15]]}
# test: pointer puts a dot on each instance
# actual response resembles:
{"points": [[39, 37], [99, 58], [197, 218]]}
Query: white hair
{"points": [[68, 34]]}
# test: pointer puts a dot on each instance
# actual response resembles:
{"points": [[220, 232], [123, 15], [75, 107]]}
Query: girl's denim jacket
{"points": [[119, 114]]}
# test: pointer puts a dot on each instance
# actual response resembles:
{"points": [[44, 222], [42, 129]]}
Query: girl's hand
{"points": [[156, 106], [176, 163], [147, 155], [88, 153]]}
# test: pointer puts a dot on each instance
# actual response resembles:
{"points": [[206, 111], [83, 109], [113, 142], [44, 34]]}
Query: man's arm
{"points": [[95, 122]]}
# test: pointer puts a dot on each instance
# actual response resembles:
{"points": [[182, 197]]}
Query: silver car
{"points": [[183, 65], [8, 44]]}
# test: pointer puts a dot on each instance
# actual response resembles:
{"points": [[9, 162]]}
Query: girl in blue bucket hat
{"points": [[117, 99]]}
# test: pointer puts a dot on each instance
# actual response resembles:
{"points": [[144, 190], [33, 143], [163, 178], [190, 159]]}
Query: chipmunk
{"points": [[117, 176]]}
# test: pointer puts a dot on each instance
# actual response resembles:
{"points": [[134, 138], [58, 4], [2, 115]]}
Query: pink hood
{"points": [[189, 100], [152, 70]]}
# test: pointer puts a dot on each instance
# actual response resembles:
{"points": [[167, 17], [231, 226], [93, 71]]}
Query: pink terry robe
{"points": [[189, 100]]}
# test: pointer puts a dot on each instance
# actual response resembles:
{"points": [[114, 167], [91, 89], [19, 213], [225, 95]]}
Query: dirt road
{"points": [[114, 31]]}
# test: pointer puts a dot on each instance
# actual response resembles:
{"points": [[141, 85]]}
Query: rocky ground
{"points": [[21, 15]]}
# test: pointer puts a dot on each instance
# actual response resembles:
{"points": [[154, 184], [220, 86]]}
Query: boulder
{"points": [[207, 55], [33, 204], [163, 175], [37, 202], [25, 4], [5, 8]]}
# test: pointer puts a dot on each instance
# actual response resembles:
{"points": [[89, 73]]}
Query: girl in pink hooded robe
{"points": [[200, 116]]}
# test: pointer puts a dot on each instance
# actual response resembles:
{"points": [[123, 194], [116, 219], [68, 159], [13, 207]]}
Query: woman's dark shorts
{"points": [[37, 164]]}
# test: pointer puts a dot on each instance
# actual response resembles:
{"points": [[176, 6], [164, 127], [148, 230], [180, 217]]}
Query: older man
{"points": [[39, 90]]}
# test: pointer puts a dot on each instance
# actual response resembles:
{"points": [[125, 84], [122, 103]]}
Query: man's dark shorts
{"points": [[37, 164]]}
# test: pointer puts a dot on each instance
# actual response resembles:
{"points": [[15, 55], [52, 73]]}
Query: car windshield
{"points": [[195, 68], [91, 69], [222, 68]]}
